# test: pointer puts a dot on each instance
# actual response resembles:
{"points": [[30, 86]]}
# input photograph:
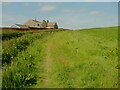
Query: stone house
{"points": [[38, 24]]}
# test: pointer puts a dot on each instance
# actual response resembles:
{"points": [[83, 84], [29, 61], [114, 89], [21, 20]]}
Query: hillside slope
{"points": [[82, 59], [73, 59]]}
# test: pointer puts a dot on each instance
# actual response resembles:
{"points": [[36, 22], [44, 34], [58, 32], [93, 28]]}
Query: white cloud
{"points": [[95, 13], [48, 8], [74, 11]]}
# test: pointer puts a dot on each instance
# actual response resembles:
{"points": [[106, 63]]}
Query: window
{"points": [[38, 24]]}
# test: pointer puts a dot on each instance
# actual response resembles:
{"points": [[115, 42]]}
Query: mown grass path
{"points": [[47, 64], [44, 79]]}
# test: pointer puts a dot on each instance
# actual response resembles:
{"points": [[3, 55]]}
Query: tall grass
{"points": [[12, 47], [78, 59], [9, 34], [23, 70]]}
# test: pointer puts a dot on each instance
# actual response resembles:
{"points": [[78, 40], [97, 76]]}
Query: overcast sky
{"points": [[70, 15]]}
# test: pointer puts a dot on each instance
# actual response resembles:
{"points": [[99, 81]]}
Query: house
{"points": [[38, 24]]}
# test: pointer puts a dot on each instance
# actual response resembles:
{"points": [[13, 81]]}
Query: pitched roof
{"points": [[31, 22], [21, 26]]}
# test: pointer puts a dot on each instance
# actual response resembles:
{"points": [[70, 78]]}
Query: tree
{"points": [[56, 26]]}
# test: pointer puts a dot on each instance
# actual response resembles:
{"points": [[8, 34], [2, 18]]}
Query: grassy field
{"points": [[60, 59]]}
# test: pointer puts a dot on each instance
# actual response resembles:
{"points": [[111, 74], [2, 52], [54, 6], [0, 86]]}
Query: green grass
{"points": [[85, 59], [63, 59], [22, 71], [9, 34], [12, 47]]}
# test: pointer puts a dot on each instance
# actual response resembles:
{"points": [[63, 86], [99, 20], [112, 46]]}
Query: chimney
{"points": [[47, 21]]}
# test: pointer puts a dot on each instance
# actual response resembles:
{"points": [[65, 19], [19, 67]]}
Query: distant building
{"points": [[37, 24]]}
